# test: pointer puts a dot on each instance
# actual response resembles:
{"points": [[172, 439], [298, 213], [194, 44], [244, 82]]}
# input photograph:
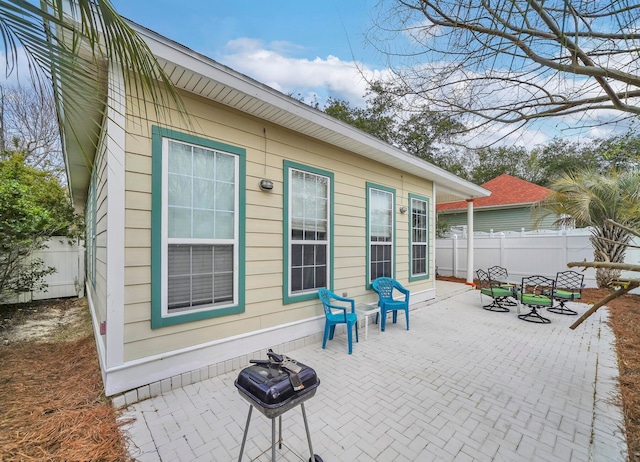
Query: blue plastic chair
{"points": [[384, 287], [343, 317]]}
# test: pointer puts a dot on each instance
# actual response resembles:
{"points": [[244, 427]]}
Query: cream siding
{"points": [[264, 226], [132, 353]]}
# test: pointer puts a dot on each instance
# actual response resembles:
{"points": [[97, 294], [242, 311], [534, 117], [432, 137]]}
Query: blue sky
{"points": [[308, 49], [297, 47], [300, 47]]}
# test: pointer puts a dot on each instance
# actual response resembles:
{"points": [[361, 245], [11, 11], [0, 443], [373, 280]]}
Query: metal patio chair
{"points": [[498, 274], [500, 277], [499, 295], [569, 286], [536, 292]]}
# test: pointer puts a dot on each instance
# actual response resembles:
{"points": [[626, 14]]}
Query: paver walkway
{"points": [[463, 384]]}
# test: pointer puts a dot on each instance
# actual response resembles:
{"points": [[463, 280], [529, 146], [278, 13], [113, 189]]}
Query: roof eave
{"points": [[196, 73]]}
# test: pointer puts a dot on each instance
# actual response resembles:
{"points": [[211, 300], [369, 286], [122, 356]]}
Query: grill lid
{"points": [[272, 383]]}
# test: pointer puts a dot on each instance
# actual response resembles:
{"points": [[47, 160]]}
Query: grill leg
{"points": [[280, 431], [246, 430], [306, 427], [273, 439]]}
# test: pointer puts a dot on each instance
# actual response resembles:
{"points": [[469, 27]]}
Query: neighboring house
{"points": [[207, 240], [508, 208]]}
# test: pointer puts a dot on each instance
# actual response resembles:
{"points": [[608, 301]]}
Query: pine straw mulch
{"points": [[625, 322], [52, 405], [624, 319]]}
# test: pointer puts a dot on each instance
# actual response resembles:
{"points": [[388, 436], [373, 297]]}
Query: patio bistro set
{"points": [[392, 297], [536, 292]]}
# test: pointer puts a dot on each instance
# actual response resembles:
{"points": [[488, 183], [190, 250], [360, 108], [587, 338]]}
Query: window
{"points": [[419, 237], [380, 232], [308, 231], [90, 218], [198, 205]]}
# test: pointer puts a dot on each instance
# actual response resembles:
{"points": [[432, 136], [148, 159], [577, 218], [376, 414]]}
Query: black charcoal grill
{"points": [[274, 386]]}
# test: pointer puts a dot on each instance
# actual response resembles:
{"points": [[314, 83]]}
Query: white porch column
{"points": [[469, 241]]}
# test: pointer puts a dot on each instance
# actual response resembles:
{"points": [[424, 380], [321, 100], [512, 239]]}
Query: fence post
{"points": [[565, 250], [455, 255], [503, 240]]}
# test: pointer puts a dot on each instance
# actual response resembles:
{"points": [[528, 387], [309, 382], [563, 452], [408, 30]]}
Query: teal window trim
{"points": [[91, 213], [288, 298], [419, 277], [369, 187], [157, 252]]}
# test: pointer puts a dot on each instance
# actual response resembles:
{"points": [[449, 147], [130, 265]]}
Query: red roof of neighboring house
{"points": [[505, 190]]}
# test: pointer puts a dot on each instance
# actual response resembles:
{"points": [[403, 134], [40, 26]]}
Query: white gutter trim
{"points": [[175, 53]]}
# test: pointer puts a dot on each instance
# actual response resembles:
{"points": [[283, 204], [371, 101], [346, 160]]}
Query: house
{"points": [[508, 208], [207, 239]]}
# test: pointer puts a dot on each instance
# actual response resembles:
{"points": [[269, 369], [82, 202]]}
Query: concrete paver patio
{"points": [[463, 384]]}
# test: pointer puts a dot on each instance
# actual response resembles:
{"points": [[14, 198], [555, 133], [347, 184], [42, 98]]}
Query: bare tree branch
{"points": [[30, 125], [618, 293], [514, 61], [605, 264], [616, 242]]}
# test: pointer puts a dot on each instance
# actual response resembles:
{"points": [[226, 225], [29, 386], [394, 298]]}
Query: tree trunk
{"points": [[611, 249]]}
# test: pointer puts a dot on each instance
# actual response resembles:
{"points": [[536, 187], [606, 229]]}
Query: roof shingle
{"points": [[505, 190]]}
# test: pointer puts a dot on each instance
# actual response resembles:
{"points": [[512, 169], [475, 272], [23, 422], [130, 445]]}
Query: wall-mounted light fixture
{"points": [[266, 185], [403, 209]]}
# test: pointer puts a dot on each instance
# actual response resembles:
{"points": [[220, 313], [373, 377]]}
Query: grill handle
{"points": [[274, 356]]}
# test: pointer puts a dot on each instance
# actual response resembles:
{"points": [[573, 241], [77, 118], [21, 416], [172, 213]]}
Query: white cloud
{"points": [[278, 65], [273, 65]]}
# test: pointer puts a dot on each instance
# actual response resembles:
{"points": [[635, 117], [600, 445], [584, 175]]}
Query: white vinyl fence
{"points": [[522, 253], [68, 280]]}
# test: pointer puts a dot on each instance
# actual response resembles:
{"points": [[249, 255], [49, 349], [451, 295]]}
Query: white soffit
{"points": [[200, 75]]}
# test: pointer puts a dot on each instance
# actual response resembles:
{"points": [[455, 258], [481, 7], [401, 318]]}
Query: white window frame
{"points": [[292, 241], [370, 243], [166, 241], [425, 244]]}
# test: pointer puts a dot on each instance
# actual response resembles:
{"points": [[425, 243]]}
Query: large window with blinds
{"points": [[380, 232], [308, 230], [419, 235], [199, 249], [201, 203]]}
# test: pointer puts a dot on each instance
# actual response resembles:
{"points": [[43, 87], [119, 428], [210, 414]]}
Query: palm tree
{"points": [[74, 41], [590, 199]]}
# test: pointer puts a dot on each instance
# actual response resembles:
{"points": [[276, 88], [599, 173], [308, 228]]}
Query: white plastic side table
{"points": [[364, 310]]}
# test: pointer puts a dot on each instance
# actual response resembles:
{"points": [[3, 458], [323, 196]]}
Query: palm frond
{"points": [[72, 42]]}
